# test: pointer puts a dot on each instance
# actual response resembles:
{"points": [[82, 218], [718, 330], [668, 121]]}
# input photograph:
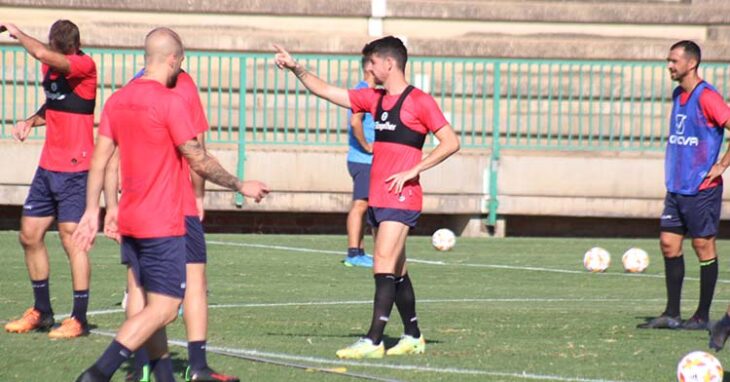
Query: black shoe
{"points": [[207, 375], [662, 322], [718, 335], [695, 323], [92, 374]]}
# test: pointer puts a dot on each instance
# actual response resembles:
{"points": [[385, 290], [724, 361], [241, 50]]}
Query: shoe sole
{"points": [[37, 329]]}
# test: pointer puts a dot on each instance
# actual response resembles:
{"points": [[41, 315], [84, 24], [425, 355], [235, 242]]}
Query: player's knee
{"points": [[669, 248], [30, 239], [703, 247]]}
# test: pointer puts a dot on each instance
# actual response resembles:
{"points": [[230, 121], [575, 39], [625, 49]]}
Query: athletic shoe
{"points": [[139, 375], [362, 348], [695, 323], [364, 261], [32, 319], [207, 375], [662, 322], [408, 345], [718, 335], [92, 374], [70, 328]]}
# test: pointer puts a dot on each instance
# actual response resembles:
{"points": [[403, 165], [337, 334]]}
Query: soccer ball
{"points": [[596, 259], [699, 366], [635, 260], [443, 239]]}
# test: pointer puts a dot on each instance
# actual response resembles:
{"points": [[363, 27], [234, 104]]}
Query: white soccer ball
{"points": [[597, 259], [635, 260], [699, 366], [443, 239]]}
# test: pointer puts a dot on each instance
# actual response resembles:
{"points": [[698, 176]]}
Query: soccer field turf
{"points": [[491, 310]]}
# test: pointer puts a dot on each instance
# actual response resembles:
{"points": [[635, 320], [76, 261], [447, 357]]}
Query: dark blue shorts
{"points": [[195, 251], [360, 173], [377, 215], [58, 194], [158, 264], [692, 215]]}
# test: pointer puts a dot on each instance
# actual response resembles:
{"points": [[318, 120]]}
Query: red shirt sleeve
{"points": [[179, 120], [364, 100], [105, 127], [429, 113], [189, 91], [82, 66], [714, 107]]}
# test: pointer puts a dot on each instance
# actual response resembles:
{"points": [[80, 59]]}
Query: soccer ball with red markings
{"points": [[699, 366], [443, 239], [597, 259], [635, 260]]}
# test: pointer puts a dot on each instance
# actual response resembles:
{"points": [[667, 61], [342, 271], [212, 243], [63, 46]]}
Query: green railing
{"points": [[493, 104]]}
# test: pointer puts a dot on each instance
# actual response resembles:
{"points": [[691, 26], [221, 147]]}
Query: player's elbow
{"points": [[41, 54]]}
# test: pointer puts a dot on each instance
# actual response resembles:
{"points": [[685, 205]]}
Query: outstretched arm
{"points": [[315, 84], [208, 167], [39, 50]]}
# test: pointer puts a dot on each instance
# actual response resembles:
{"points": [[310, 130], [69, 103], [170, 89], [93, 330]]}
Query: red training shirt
{"points": [[70, 136], [419, 113], [148, 121]]}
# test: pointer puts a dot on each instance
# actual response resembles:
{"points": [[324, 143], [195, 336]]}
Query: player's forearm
{"points": [[725, 160], [210, 169], [94, 187], [36, 48], [320, 88], [358, 131], [111, 182], [445, 149], [206, 166]]}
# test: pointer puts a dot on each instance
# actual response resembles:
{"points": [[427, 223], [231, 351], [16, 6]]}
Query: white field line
{"points": [[431, 262], [369, 302], [373, 365]]}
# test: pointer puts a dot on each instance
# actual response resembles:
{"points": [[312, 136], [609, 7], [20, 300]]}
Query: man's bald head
{"points": [[160, 44]]}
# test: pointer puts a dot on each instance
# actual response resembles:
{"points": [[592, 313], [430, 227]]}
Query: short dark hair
{"points": [[388, 46], [64, 37], [691, 49]]}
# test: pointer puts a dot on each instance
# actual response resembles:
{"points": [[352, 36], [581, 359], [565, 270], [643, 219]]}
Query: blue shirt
{"points": [[356, 153], [693, 145]]}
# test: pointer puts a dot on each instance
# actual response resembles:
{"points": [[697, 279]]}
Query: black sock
{"points": [[708, 279], [674, 276], [725, 320], [361, 251], [141, 358], [352, 252], [196, 355], [405, 300], [113, 357], [382, 305], [162, 369], [81, 304], [42, 294]]}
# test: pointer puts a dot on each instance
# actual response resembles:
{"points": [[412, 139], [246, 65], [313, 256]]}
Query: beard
{"points": [[172, 81]]}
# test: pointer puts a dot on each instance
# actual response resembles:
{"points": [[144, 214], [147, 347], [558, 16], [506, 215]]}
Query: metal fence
{"points": [[493, 104]]}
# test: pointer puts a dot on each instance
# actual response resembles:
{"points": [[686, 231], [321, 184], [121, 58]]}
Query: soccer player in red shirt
{"points": [[58, 187], [153, 129], [403, 117], [195, 302]]}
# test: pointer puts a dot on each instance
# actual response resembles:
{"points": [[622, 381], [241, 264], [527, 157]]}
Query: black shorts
{"points": [[158, 264], [692, 215]]}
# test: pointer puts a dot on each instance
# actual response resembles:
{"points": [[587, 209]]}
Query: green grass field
{"points": [[491, 310]]}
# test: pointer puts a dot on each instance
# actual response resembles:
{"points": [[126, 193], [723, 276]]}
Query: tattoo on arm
{"points": [[206, 166]]}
